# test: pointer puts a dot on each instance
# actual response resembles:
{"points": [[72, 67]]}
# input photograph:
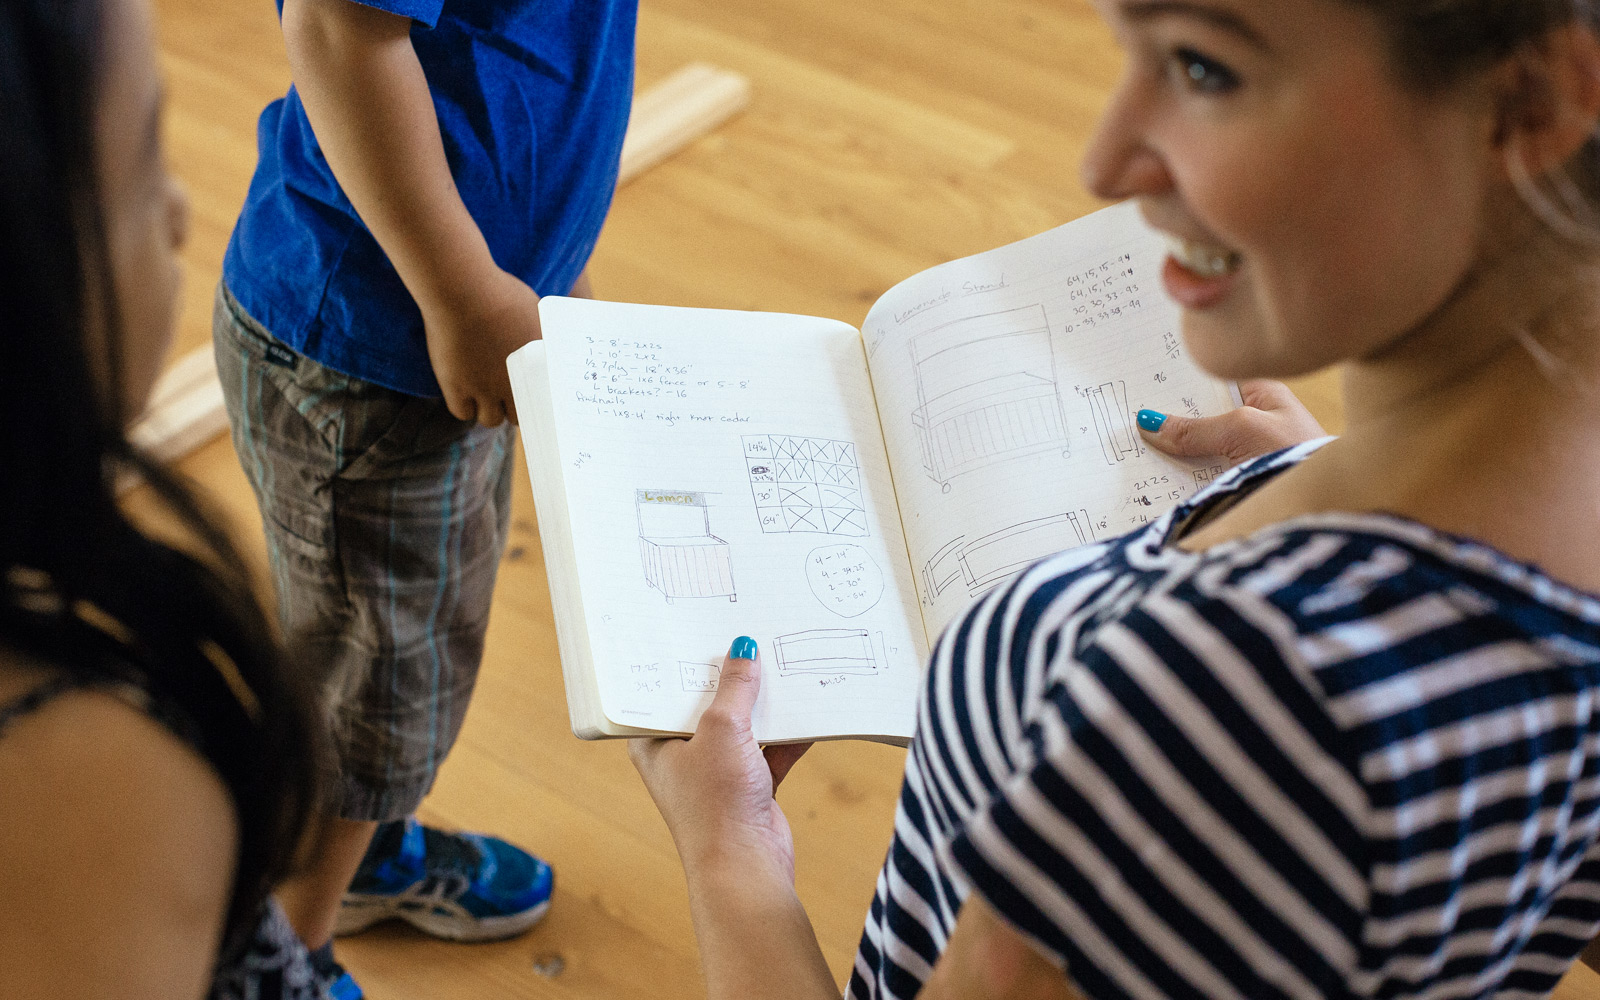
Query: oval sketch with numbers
{"points": [[844, 578]]}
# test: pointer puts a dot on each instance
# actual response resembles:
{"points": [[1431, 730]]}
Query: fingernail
{"points": [[743, 648], [1151, 420]]}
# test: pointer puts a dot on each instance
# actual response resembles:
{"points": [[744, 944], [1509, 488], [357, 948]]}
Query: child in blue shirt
{"points": [[437, 166]]}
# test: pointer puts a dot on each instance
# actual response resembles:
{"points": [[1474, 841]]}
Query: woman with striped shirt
{"points": [[1332, 728]]}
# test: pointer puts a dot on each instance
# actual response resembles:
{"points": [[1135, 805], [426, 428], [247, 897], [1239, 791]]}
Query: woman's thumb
{"points": [[740, 681], [1188, 437]]}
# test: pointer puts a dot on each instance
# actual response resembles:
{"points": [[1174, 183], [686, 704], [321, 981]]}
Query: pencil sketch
{"points": [[697, 677], [805, 484], [844, 578], [1114, 421], [1204, 477], [682, 558], [986, 392], [988, 560], [827, 651], [943, 569]]}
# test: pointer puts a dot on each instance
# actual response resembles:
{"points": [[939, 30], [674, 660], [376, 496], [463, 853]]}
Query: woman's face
{"points": [[146, 213], [1320, 209]]}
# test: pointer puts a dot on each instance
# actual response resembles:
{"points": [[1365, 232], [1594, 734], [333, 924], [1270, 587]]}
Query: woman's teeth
{"points": [[1207, 262]]}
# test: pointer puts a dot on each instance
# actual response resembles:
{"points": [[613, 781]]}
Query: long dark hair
{"points": [[80, 586]]}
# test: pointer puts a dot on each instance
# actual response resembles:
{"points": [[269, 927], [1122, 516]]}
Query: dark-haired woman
{"points": [[1332, 728], [155, 770]]}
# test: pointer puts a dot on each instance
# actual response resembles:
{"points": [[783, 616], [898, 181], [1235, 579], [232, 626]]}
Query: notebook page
{"points": [[726, 476], [1007, 386]]}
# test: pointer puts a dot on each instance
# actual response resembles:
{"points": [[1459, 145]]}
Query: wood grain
{"points": [[881, 138]]}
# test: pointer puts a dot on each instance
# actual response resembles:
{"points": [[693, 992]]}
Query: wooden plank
{"points": [[677, 111], [184, 420]]}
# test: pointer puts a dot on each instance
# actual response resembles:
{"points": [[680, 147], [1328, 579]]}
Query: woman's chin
{"points": [[1235, 350]]}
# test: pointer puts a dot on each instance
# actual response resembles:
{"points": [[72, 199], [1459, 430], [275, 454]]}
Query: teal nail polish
{"points": [[1151, 420], [744, 648]]}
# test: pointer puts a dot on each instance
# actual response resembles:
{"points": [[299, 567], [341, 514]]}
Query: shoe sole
{"points": [[424, 915]]}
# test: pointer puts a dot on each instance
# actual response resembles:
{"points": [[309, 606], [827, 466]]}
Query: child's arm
{"points": [[368, 102]]}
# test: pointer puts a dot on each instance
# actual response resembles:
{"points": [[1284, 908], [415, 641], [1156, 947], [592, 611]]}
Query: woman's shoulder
{"points": [[1351, 625], [84, 760], [108, 813], [77, 730]]}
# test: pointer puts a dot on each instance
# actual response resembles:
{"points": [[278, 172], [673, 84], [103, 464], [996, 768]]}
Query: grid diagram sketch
{"points": [[826, 651], [1113, 421], [806, 484], [988, 560], [697, 677], [986, 391], [1203, 477], [681, 557]]}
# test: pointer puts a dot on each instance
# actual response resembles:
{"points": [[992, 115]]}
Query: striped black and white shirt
{"points": [[1347, 756]]}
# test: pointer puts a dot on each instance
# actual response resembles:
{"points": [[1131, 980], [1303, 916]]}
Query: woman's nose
{"points": [[1120, 162]]}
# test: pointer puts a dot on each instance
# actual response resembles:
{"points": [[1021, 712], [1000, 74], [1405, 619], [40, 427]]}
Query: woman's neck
{"points": [[1483, 422]]}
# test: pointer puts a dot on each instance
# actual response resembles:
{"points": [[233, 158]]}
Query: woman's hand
{"points": [[1270, 419], [716, 790]]}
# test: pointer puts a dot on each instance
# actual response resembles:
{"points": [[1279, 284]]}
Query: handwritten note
{"points": [[845, 579]]}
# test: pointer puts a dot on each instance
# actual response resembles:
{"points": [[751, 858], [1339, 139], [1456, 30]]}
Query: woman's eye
{"points": [[1201, 74]]}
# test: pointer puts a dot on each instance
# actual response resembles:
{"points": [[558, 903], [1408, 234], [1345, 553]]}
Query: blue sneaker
{"points": [[339, 984], [459, 886]]}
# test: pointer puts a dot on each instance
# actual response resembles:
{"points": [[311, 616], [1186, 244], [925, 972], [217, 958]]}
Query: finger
{"points": [[491, 413], [644, 750], [1265, 393], [461, 405], [1186, 437], [781, 758], [739, 684]]}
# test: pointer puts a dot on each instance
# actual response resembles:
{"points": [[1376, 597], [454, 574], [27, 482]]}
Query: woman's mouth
{"points": [[1197, 275]]}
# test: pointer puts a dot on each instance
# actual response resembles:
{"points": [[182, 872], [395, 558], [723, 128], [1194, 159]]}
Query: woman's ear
{"points": [[1548, 100]]}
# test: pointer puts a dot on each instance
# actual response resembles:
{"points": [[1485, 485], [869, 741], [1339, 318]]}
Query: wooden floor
{"points": [[883, 138]]}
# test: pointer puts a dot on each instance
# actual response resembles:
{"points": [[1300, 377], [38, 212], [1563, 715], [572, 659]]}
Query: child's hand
{"points": [[468, 343]]}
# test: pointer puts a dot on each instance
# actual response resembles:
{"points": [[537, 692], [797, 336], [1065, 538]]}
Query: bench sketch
{"points": [[826, 651], [986, 391], [943, 569], [805, 484], [681, 557], [1114, 421], [984, 562]]}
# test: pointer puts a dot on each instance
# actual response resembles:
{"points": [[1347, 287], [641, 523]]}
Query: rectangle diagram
{"points": [[826, 651], [1113, 421], [697, 677]]}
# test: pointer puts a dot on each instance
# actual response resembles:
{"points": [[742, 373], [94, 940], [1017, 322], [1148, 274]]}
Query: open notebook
{"points": [[837, 494]]}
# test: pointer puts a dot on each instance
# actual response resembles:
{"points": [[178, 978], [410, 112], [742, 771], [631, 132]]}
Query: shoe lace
{"points": [[451, 852]]}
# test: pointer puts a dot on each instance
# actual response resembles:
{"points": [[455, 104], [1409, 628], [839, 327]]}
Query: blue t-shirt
{"points": [[532, 98]]}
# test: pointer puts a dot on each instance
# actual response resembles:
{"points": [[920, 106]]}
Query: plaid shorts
{"points": [[385, 520]]}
